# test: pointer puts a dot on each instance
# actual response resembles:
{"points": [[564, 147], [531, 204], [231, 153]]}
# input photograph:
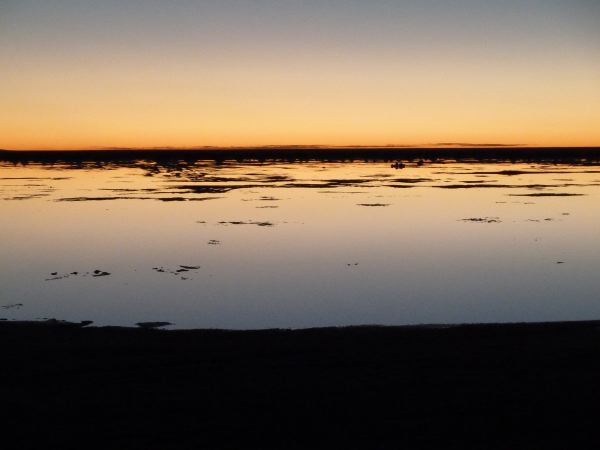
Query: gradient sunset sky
{"points": [[184, 73]]}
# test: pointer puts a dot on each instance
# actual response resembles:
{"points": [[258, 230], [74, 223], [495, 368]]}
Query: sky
{"points": [[80, 74]]}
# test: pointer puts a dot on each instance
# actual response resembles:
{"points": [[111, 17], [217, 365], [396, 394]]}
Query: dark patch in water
{"points": [[94, 273], [25, 197], [128, 190], [178, 271], [249, 222], [412, 180], [278, 178], [511, 173], [346, 181], [346, 192], [378, 175], [308, 185], [35, 178], [507, 186], [207, 189], [162, 199], [100, 273], [547, 194], [213, 179], [520, 172], [262, 199], [331, 183], [152, 325], [482, 219], [186, 199], [473, 186], [96, 199], [373, 204], [12, 306]]}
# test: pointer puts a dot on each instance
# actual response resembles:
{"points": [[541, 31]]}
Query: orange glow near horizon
{"points": [[117, 109]]}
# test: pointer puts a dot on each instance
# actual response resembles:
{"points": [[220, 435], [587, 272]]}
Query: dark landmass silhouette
{"points": [[464, 152], [513, 386], [468, 144]]}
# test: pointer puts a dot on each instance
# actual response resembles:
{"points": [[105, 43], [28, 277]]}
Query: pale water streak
{"points": [[300, 245]]}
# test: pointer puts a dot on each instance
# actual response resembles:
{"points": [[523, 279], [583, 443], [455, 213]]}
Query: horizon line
{"points": [[432, 146], [286, 147]]}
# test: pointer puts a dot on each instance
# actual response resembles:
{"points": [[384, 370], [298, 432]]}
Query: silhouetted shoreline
{"points": [[488, 386], [514, 154]]}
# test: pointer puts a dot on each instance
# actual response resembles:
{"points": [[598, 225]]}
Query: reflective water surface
{"points": [[250, 245]]}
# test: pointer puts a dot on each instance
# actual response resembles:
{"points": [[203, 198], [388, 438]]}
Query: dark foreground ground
{"points": [[533, 386]]}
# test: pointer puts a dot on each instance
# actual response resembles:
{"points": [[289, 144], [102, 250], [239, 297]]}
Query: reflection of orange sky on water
{"points": [[418, 260], [417, 206], [255, 180]]}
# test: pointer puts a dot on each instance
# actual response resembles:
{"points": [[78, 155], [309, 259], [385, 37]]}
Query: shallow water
{"points": [[299, 245]]}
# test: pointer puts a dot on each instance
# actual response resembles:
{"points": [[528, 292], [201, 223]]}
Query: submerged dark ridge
{"points": [[25, 197], [185, 199], [34, 178], [512, 386], [321, 184], [490, 184], [373, 204], [247, 222], [520, 172], [548, 194], [345, 181], [581, 155], [410, 180], [162, 199], [475, 186], [204, 189], [342, 192], [257, 178]]}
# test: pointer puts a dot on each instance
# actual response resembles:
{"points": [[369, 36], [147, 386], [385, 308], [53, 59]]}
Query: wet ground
{"points": [[257, 244]]}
